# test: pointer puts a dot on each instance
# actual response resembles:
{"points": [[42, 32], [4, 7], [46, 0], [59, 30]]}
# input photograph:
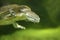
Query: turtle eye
{"points": [[12, 12]]}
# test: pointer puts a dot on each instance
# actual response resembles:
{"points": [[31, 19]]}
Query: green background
{"points": [[47, 29]]}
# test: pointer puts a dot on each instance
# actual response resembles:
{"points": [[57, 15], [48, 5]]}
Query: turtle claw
{"points": [[16, 25]]}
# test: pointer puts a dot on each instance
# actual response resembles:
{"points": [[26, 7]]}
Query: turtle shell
{"points": [[5, 16]]}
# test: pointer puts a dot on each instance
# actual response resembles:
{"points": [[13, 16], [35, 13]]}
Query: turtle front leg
{"points": [[16, 25]]}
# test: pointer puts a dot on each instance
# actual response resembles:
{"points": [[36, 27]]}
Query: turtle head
{"points": [[27, 13]]}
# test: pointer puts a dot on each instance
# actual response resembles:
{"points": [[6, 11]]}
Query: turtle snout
{"points": [[31, 16]]}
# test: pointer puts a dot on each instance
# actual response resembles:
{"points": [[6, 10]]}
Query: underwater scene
{"points": [[29, 19]]}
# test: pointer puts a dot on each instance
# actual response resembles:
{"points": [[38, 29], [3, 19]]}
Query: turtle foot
{"points": [[19, 26], [16, 25]]}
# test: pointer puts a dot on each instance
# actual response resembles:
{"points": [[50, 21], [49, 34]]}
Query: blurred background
{"points": [[48, 28]]}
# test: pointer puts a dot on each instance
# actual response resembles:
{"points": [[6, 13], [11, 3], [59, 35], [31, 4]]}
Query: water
{"points": [[47, 29]]}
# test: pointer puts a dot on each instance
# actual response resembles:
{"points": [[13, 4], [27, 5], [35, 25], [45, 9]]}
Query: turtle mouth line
{"points": [[35, 20]]}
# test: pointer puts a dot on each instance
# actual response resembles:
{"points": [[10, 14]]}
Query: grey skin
{"points": [[9, 14]]}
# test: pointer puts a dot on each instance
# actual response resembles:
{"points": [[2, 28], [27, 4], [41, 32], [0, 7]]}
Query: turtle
{"points": [[10, 14]]}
